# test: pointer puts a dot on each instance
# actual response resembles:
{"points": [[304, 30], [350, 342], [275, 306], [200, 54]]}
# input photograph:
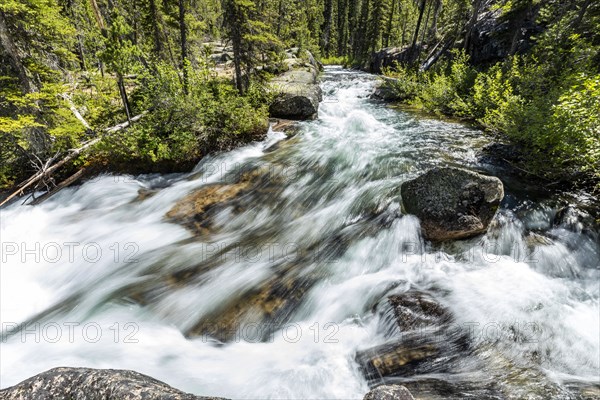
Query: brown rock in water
{"points": [[194, 210], [94, 384], [422, 339], [257, 313], [452, 203], [389, 392]]}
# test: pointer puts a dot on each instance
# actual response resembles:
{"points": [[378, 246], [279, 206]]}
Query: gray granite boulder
{"points": [[94, 384], [452, 203]]}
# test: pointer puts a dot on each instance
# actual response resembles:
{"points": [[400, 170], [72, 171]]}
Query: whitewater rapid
{"points": [[69, 266]]}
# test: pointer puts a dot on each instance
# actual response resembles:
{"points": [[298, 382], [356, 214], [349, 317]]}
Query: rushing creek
{"points": [[97, 276]]}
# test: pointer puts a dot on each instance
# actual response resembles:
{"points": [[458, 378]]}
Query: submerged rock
{"points": [[195, 211], [422, 339], [389, 392], [256, 314], [452, 203], [94, 384]]}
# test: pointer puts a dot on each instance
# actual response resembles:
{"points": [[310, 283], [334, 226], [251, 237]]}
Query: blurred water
{"points": [[332, 215]]}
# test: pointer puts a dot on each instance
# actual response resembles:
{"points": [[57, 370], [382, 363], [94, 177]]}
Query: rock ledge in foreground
{"points": [[94, 384], [452, 203], [389, 392]]}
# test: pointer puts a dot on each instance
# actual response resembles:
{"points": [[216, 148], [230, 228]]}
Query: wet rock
{"points": [[409, 311], [296, 102], [196, 209], [389, 392], [397, 358], [414, 310], [287, 126], [439, 389], [534, 240], [386, 91], [193, 210], [452, 203], [423, 339], [94, 384], [573, 219], [144, 193], [256, 314]]}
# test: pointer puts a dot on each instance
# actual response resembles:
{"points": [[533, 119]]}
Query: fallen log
{"points": [[67, 182], [48, 170], [75, 111]]}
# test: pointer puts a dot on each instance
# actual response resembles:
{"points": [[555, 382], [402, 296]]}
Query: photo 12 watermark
{"points": [[70, 332], [68, 252]]}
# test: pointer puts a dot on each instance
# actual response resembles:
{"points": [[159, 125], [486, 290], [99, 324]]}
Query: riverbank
{"points": [[551, 135], [176, 131]]}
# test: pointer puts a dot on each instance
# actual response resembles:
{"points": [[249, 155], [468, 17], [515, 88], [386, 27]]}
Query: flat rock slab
{"points": [[452, 203], [94, 384]]}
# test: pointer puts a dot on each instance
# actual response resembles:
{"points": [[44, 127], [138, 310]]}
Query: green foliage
{"points": [[108, 56], [443, 90], [574, 128], [181, 129], [407, 83], [340, 60], [446, 90]]}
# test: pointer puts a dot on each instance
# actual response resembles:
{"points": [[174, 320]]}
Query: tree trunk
{"points": [[581, 14], [470, 25], [426, 23], [361, 41], [98, 16], [404, 26], [418, 27], [390, 23], [341, 27], [123, 94], [352, 24], [326, 27], [79, 45], [436, 14], [11, 50], [184, 54], [156, 28]]}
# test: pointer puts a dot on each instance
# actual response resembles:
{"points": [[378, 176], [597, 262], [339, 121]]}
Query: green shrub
{"points": [[574, 128], [341, 60], [180, 128], [407, 83]]}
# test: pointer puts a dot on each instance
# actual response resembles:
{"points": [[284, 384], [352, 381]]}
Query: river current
{"points": [[526, 294]]}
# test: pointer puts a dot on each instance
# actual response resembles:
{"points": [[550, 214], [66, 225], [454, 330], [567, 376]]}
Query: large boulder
{"points": [[452, 203], [386, 90], [298, 94], [389, 56], [94, 384], [496, 35], [389, 392]]}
